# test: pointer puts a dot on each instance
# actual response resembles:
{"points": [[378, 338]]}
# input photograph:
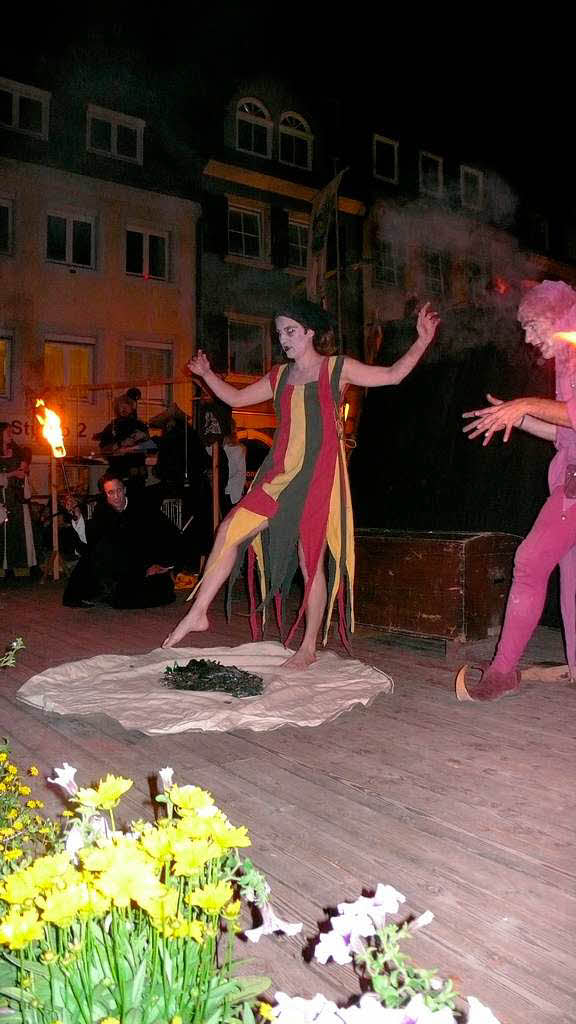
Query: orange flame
{"points": [[569, 336], [51, 429]]}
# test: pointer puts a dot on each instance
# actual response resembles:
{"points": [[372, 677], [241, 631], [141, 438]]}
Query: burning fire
{"points": [[51, 428], [569, 336]]}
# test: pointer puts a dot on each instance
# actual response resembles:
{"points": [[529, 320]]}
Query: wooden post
{"points": [[54, 510], [215, 486]]}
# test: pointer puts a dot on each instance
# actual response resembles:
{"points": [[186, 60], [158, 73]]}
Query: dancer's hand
{"points": [[498, 415], [199, 364], [427, 324]]}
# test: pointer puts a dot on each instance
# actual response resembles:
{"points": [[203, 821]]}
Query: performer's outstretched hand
{"points": [[427, 324], [498, 415], [199, 364]]}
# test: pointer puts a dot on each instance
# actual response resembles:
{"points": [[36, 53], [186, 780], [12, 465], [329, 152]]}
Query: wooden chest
{"points": [[450, 585]]}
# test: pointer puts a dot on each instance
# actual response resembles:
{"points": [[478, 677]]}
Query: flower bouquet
{"points": [[134, 927]]}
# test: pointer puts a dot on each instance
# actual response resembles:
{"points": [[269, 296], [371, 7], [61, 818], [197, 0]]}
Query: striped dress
{"points": [[301, 492]]}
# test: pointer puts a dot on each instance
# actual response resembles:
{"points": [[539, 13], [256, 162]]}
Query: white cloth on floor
{"points": [[130, 689]]}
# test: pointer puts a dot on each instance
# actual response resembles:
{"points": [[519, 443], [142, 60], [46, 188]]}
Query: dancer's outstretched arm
{"points": [[538, 416], [365, 376], [238, 398]]}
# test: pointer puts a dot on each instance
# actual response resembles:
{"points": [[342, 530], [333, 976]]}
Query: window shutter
{"points": [[216, 224], [279, 228]]}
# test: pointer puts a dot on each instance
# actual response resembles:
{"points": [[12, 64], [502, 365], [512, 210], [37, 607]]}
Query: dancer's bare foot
{"points": [[302, 659], [193, 622]]}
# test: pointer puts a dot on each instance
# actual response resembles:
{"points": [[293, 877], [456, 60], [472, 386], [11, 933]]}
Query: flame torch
{"points": [[52, 432]]}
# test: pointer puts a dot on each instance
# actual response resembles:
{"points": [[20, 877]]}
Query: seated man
{"points": [[130, 549]]}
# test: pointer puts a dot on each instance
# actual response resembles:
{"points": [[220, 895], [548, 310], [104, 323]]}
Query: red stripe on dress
{"points": [[317, 505], [257, 500]]}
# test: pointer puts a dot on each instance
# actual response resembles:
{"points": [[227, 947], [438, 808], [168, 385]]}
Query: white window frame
{"points": [[471, 172], [9, 205], [20, 91], [8, 337], [303, 133], [263, 324], [250, 118], [71, 340], [114, 119], [262, 211], [146, 232], [389, 142], [300, 221], [441, 277], [145, 345], [425, 155], [398, 262], [70, 217]]}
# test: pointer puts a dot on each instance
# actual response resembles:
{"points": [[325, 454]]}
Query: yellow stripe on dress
{"points": [[295, 449]]}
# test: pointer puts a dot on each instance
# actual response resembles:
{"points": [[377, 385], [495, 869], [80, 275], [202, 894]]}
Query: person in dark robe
{"points": [[131, 548], [125, 441], [17, 550]]}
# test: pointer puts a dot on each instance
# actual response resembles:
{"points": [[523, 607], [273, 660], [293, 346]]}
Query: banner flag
{"points": [[320, 219]]}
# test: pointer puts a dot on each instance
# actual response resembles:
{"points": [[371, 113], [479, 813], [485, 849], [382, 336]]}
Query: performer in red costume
{"points": [[548, 316], [298, 510]]}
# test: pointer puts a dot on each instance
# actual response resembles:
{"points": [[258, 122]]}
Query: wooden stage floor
{"points": [[467, 809]]}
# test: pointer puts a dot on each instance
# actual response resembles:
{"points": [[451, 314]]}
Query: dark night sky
{"points": [[465, 78]]}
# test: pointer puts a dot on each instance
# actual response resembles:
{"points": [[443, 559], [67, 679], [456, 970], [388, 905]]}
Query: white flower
{"points": [[166, 776], [75, 841], [295, 1010], [371, 1011], [272, 923], [65, 778], [426, 918], [386, 900], [480, 1014], [331, 944]]}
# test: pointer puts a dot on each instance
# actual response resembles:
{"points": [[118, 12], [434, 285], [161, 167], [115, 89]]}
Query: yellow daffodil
{"points": [[48, 871], [176, 1020], [12, 814], [11, 769], [211, 897], [3, 757], [193, 827], [265, 1011], [228, 836], [128, 878], [33, 770], [190, 857], [19, 887], [180, 928], [232, 910], [106, 795], [158, 843], [24, 790], [18, 929], [61, 908], [162, 905], [191, 799], [110, 1020]]}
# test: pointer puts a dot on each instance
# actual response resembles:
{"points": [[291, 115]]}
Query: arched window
{"points": [[295, 141], [253, 127]]}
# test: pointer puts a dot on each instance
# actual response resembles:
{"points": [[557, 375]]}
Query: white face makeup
{"points": [[295, 339], [540, 333]]}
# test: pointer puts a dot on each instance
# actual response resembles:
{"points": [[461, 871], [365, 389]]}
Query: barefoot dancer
{"points": [[299, 504], [548, 316]]}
